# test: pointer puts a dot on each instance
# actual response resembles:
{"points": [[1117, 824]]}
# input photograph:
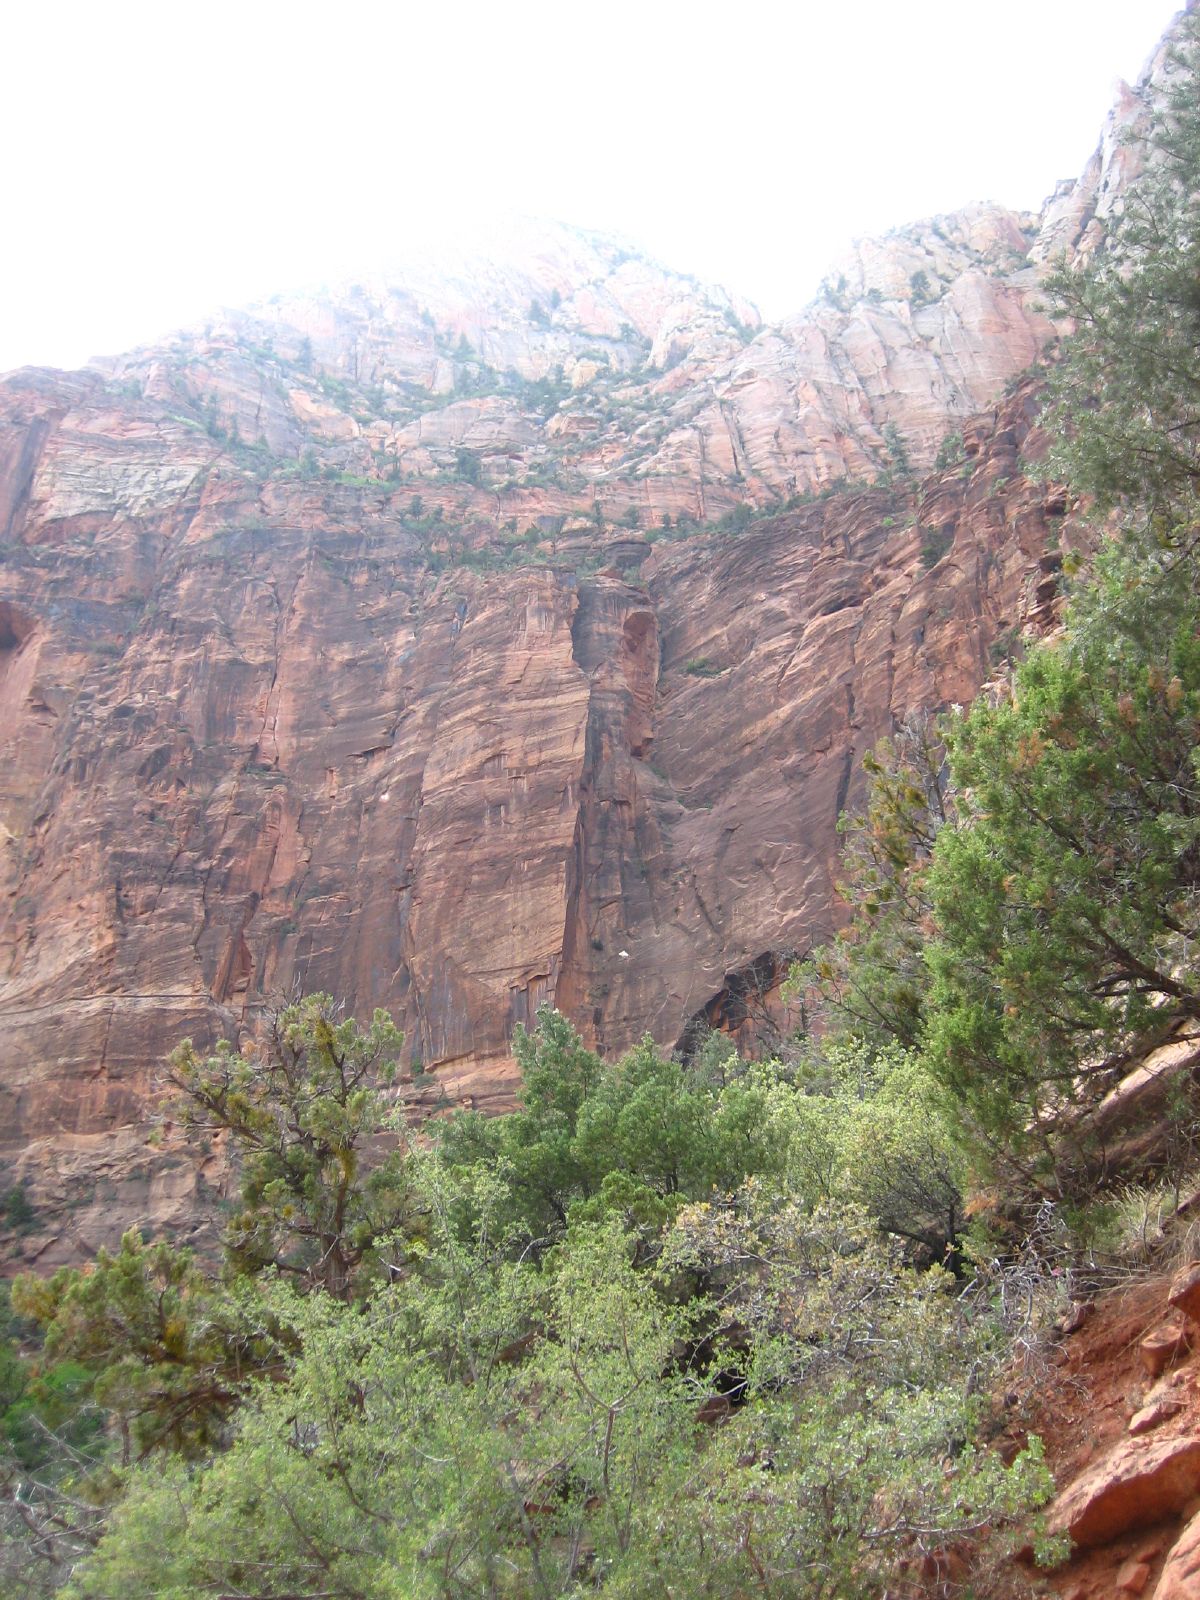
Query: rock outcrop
{"points": [[502, 628], [1124, 1446], [258, 741], [1139, 1484], [1180, 1577]]}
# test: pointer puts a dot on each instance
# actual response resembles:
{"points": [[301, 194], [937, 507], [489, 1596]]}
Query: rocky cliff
{"points": [[504, 628]]}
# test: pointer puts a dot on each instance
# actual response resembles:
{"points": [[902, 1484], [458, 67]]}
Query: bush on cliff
{"points": [[1065, 899], [301, 1110], [1047, 934], [870, 980], [1126, 396]]}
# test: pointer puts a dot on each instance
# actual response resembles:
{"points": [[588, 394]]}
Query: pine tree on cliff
{"points": [[1055, 923]]}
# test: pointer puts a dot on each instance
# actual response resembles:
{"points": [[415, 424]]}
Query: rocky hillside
{"points": [[507, 627]]}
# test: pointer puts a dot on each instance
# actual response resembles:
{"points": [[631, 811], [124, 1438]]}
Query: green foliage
{"points": [[489, 1428], [934, 544], [467, 466], [922, 291], [876, 1131], [17, 1211], [517, 1408], [950, 452], [896, 449], [1066, 899], [150, 1339], [634, 1139], [302, 1115]]}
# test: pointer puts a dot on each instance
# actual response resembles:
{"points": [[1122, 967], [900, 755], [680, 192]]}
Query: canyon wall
{"points": [[496, 630]]}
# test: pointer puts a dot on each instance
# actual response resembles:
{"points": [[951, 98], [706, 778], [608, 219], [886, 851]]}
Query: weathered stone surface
{"points": [[1164, 1347], [1180, 1577], [1152, 1415], [1140, 1483], [1133, 1576], [332, 656], [258, 741], [671, 397]]}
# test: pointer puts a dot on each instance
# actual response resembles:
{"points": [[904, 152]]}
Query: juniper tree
{"points": [[305, 1111]]}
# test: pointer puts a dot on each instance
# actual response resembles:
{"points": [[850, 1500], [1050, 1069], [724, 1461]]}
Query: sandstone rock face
{"points": [[1075, 217], [259, 740], [1180, 1577], [578, 374], [1163, 1347], [1185, 1291], [383, 642], [1137, 1485], [1152, 1415]]}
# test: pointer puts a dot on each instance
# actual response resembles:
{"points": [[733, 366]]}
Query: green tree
{"points": [[635, 1138], [162, 1349], [1067, 897], [876, 1131], [870, 980], [487, 1428], [1050, 937], [305, 1112], [466, 465]]}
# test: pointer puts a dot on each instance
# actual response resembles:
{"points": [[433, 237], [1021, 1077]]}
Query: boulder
{"points": [[1138, 1484], [1162, 1348], [1180, 1577], [1133, 1576], [1150, 1416]]}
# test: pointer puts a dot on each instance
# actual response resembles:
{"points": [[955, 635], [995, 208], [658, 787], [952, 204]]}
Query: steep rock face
{"points": [[1076, 216], [576, 375], [482, 633], [259, 743]]}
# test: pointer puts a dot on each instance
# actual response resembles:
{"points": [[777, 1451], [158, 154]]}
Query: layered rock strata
{"points": [[504, 628], [254, 744]]}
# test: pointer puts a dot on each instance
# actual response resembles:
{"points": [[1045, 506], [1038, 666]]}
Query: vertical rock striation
{"points": [[502, 629]]}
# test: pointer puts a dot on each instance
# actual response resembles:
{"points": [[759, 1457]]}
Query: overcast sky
{"points": [[161, 160]]}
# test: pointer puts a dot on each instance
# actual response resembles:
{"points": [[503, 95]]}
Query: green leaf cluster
{"points": [[635, 1138], [491, 1428], [303, 1110], [1066, 898], [1126, 396]]}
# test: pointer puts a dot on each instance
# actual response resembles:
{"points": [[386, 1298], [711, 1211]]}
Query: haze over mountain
{"points": [[505, 628], [184, 166]]}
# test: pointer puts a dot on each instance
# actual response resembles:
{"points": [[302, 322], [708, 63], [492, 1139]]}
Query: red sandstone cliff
{"points": [[342, 647]]}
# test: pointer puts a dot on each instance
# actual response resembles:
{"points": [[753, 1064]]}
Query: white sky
{"points": [[163, 159]]}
